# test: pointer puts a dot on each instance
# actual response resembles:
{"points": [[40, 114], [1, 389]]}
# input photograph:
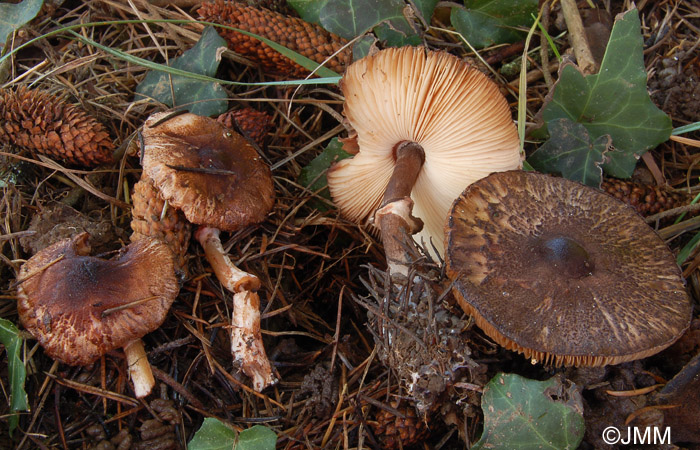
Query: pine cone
{"points": [[147, 209], [304, 38], [252, 123], [645, 198], [47, 124], [391, 429]]}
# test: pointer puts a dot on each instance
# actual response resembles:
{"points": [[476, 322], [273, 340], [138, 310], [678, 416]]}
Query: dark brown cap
{"points": [[70, 302], [208, 171], [563, 273]]}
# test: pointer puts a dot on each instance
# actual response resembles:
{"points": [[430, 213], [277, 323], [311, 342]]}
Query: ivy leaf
{"points": [[352, 18], [212, 435], [614, 101], [15, 15], [571, 153], [425, 8], [257, 437], [215, 435], [530, 414], [308, 10], [202, 98], [313, 175], [9, 337], [397, 32], [487, 22]]}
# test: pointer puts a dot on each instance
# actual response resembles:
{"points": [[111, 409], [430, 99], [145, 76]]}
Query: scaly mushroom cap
{"points": [[563, 273], [67, 300], [212, 174], [434, 99]]}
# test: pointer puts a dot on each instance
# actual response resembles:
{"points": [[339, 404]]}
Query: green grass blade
{"points": [[522, 86], [552, 45], [686, 129], [10, 338], [685, 252]]}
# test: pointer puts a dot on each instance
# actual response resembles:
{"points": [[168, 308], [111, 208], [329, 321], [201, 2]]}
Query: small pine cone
{"points": [[173, 229], [396, 432], [47, 124], [252, 123], [645, 198], [304, 38]]}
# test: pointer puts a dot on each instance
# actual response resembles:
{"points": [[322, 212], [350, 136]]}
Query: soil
{"points": [[351, 349]]}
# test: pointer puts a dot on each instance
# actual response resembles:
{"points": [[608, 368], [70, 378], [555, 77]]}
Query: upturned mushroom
{"points": [[426, 125], [219, 182], [80, 307], [563, 273]]}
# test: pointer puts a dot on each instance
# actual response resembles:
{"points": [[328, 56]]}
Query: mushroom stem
{"points": [[409, 161], [246, 340], [139, 368], [394, 218], [233, 278]]}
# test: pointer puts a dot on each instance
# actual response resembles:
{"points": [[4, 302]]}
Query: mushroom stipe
{"points": [[563, 273]]}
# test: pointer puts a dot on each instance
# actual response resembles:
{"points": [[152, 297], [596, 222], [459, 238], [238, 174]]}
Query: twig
{"points": [[579, 42], [177, 387], [673, 212]]}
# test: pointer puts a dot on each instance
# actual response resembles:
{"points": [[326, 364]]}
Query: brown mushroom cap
{"points": [[563, 273], [67, 299], [453, 111], [212, 174]]}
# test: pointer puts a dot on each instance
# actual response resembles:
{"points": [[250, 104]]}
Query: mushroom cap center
{"points": [[566, 255]]}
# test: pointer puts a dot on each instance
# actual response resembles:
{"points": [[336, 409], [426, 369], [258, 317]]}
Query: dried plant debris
{"points": [[417, 336], [302, 37], [322, 388], [45, 123], [58, 221]]}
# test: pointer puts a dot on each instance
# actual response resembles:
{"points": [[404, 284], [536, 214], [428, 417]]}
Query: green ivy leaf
{"points": [[215, 435], [362, 46], [10, 338], [203, 98], [308, 10], [614, 101], [487, 22], [529, 414], [212, 435], [313, 175], [425, 8], [352, 18], [571, 153], [397, 32], [15, 15], [257, 437]]}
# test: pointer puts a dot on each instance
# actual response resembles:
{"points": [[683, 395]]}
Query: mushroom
{"points": [[427, 125], [80, 307], [219, 182], [563, 273]]}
